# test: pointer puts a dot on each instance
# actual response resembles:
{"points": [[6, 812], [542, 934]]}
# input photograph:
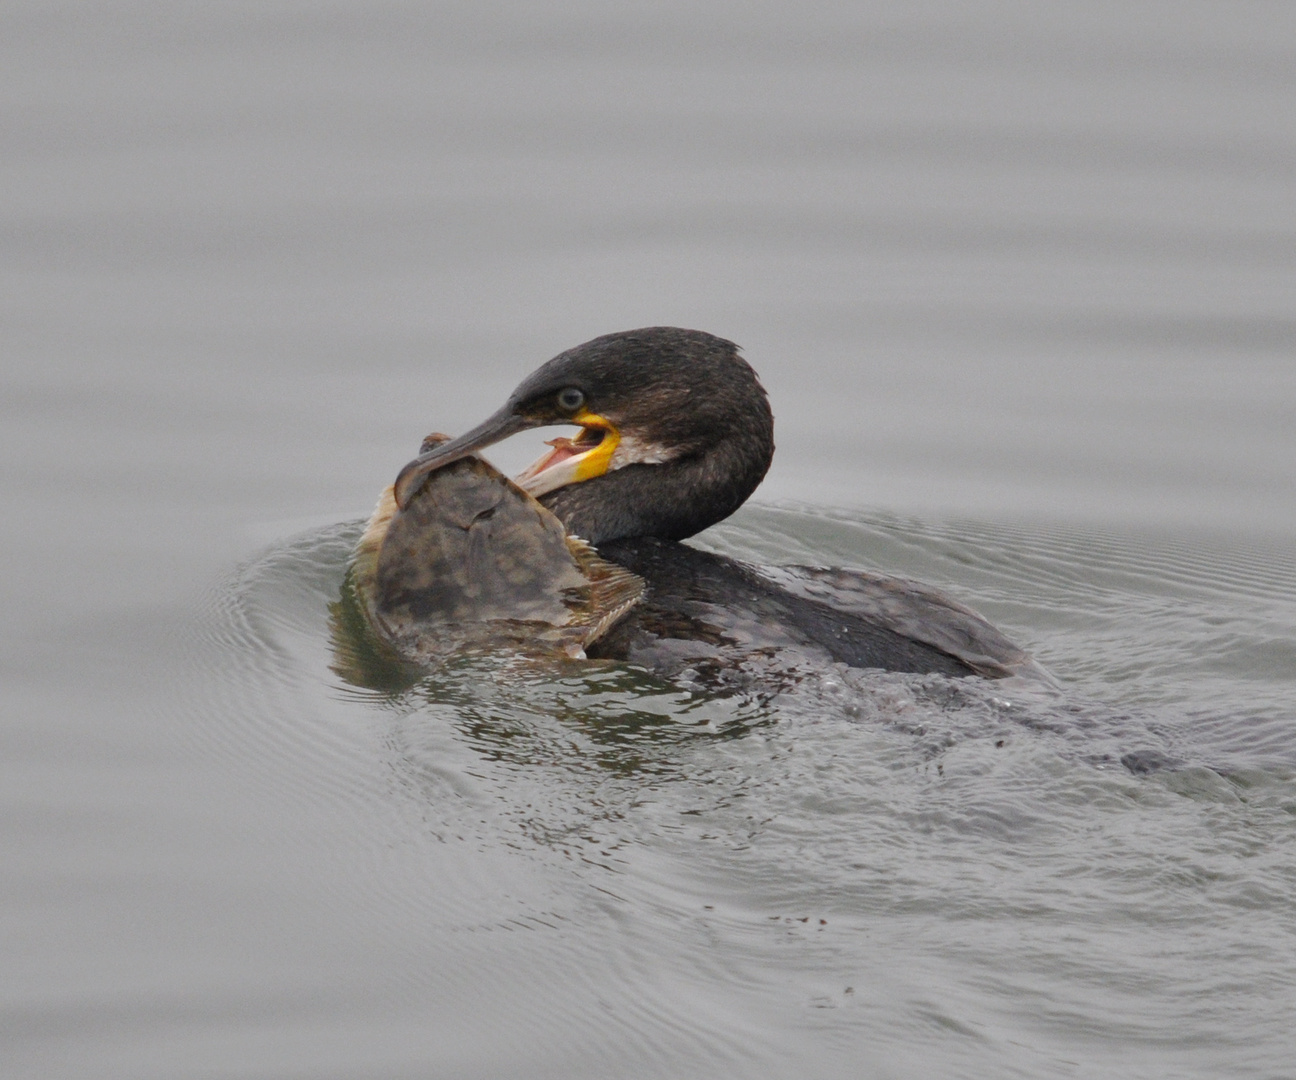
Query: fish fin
{"points": [[614, 590], [364, 561]]}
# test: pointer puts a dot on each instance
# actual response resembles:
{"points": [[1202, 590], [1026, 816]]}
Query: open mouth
{"points": [[587, 455]]}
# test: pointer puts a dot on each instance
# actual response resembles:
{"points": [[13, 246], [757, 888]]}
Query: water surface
{"points": [[1020, 284]]}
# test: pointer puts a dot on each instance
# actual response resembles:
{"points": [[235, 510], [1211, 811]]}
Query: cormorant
{"points": [[675, 433]]}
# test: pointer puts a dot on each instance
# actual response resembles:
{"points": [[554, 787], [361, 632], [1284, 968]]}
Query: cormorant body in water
{"points": [[675, 433]]}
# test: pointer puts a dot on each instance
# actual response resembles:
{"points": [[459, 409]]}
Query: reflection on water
{"points": [[359, 656]]}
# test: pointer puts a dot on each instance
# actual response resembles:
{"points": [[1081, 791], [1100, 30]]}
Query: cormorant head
{"points": [[675, 433]]}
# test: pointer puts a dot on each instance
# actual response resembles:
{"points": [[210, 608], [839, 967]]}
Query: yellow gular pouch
{"points": [[597, 460], [474, 563], [570, 461]]}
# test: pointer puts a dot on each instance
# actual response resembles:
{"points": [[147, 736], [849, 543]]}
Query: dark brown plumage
{"points": [[676, 433]]}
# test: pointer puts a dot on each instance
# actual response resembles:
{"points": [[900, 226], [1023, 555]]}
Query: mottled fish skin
{"points": [[475, 562]]}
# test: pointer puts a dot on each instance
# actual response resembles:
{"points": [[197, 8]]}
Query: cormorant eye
{"points": [[570, 399]]}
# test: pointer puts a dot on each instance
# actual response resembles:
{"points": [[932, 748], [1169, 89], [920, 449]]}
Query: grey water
{"points": [[1021, 282]]}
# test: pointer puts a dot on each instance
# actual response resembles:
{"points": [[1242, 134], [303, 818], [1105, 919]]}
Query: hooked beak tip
{"points": [[408, 481], [414, 475]]}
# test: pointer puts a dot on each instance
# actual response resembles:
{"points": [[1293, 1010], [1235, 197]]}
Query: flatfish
{"points": [[475, 563]]}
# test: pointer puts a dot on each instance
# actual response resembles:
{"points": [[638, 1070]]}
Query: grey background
{"points": [[1014, 266]]}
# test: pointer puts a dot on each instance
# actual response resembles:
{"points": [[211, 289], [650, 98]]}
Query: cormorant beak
{"points": [[500, 426], [571, 460]]}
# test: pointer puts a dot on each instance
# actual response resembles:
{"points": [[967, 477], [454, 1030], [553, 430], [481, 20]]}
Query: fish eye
{"points": [[570, 399]]}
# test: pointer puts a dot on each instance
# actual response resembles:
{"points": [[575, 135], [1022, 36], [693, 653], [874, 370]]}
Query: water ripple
{"points": [[729, 881]]}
